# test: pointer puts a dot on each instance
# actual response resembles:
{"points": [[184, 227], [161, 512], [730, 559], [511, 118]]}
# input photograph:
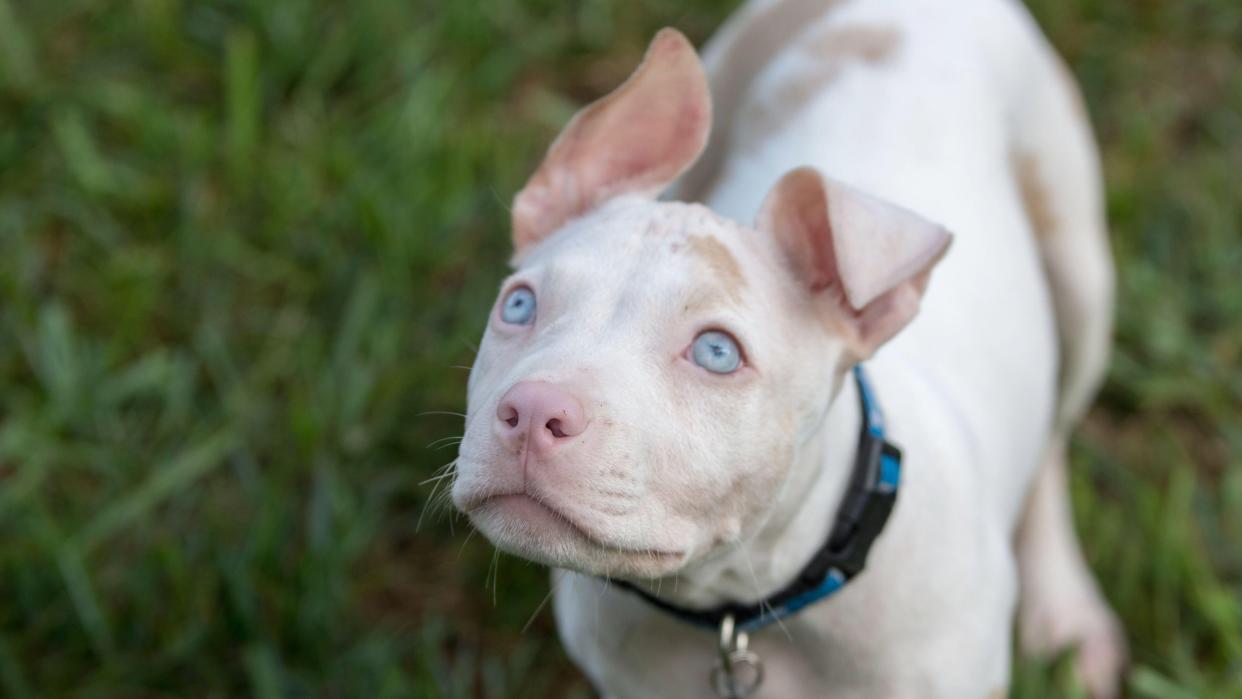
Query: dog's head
{"points": [[650, 369]]}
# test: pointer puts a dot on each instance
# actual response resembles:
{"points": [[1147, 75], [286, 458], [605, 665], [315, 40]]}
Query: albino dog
{"points": [[663, 406]]}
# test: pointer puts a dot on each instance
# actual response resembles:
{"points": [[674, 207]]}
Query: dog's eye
{"points": [[518, 307], [716, 352]]}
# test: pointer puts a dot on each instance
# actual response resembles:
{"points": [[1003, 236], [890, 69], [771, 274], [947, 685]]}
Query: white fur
{"points": [[707, 491]]}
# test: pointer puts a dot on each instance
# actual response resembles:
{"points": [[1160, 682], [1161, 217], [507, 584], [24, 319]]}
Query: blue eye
{"points": [[716, 352], [518, 307]]}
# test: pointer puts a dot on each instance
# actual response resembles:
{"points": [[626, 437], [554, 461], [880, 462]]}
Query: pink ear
{"points": [[636, 140], [868, 259]]}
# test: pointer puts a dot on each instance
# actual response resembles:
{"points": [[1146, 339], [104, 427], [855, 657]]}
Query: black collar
{"points": [[863, 513]]}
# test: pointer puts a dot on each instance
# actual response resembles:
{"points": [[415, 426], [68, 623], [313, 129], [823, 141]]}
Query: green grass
{"points": [[243, 244]]}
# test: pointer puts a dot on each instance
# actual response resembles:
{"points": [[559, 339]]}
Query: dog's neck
{"points": [[798, 525]]}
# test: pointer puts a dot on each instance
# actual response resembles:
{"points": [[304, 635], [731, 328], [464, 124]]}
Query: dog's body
{"points": [[960, 112]]}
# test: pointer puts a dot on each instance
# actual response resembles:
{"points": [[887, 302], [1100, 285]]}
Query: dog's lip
{"points": [[573, 526]]}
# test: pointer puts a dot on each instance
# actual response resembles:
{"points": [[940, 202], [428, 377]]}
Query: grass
{"points": [[244, 244]]}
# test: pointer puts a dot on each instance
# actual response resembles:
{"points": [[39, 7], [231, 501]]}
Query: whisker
{"points": [[500, 200], [496, 577], [602, 591], [445, 440], [487, 577], [441, 412], [535, 614], [439, 496], [469, 536], [433, 479], [765, 604], [445, 498], [430, 504]]}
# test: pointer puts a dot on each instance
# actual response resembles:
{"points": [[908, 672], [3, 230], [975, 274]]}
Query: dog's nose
{"points": [[544, 415]]}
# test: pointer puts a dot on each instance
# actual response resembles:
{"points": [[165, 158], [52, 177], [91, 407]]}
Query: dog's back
{"points": [[961, 112]]}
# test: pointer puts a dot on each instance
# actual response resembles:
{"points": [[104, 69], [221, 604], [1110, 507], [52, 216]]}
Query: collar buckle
{"points": [[738, 671]]}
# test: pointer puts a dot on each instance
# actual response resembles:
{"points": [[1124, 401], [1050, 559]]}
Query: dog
{"points": [[819, 397]]}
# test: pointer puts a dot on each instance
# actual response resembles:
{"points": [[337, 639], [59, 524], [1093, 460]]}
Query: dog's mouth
{"points": [[527, 525]]}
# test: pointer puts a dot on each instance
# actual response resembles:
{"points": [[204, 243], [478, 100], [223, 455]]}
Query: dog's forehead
{"points": [[654, 241]]}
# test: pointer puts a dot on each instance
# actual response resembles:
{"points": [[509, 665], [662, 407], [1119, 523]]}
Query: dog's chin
{"points": [[520, 525]]}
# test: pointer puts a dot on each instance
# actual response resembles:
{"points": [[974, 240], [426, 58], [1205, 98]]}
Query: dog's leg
{"points": [[1057, 173], [1060, 605]]}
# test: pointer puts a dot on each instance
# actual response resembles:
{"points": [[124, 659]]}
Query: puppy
{"points": [[806, 436]]}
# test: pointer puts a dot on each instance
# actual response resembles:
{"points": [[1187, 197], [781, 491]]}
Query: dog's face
{"points": [[651, 369], [639, 391]]}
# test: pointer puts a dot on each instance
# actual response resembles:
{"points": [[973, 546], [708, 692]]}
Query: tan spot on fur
{"points": [[831, 51], [703, 301], [999, 693], [1035, 200], [725, 286], [716, 256], [746, 54], [868, 42]]}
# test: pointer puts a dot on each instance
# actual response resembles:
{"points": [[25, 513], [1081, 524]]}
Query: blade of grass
{"points": [[69, 559], [1149, 684], [11, 677], [183, 470], [17, 64], [242, 99], [263, 669]]}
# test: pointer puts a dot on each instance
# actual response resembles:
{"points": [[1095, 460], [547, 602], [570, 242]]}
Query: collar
{"points": [[864, 511]]}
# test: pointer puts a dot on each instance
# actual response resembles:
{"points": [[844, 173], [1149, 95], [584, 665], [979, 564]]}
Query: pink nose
{"points": [[540, 415]]}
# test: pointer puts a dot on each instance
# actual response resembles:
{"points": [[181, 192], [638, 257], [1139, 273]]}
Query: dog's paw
{"points": [[1100, 659], [1088, 627]]}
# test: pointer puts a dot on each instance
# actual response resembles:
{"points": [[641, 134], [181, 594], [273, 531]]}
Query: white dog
{"points": [[665, 408]]}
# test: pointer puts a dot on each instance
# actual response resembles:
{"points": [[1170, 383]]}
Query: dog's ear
{"points": [[867, 260], [635, 140]]}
